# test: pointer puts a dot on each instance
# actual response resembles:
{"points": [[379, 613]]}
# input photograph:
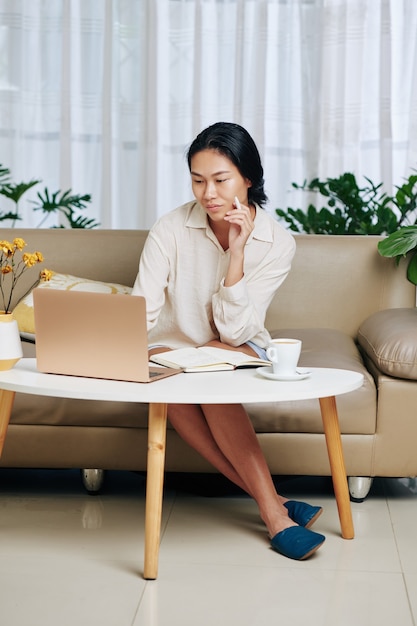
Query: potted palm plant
{"points": [[64, 202]]}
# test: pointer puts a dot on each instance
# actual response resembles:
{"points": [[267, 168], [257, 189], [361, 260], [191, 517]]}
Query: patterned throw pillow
{"points": [[23, 312]]}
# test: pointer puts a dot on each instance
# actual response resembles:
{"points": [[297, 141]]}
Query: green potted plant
{"points": [[403, 241], [350, 209], [64, 202]]}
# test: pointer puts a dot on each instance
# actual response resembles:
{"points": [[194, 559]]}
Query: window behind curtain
{"points": [[104, 97]]}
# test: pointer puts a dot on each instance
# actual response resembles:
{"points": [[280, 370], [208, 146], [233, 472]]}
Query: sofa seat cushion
{"points": [[321, 348], [46, 411], [389, 338]]}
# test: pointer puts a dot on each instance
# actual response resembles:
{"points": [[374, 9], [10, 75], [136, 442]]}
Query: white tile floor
{"points": [[68, 558]]}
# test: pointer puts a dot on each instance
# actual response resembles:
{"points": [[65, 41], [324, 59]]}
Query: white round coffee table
{"points": [[240, 386]]}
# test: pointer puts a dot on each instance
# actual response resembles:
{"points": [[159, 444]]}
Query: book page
{"points": [[186, 358], [231, 356]]}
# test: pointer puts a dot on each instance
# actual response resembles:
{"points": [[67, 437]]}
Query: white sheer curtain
{"points": [[104, 96]]}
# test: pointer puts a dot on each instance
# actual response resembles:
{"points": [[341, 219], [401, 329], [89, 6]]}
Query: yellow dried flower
{"points": [[6, 248], [12, 268], [29, 259], [19, 243], [46, 275]]}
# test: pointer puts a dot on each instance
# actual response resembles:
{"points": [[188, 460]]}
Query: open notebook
{"points": [[207, 359], [98, 335]]}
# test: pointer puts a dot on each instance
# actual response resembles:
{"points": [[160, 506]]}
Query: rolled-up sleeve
{"points": [[152, 278], [239, 311]]}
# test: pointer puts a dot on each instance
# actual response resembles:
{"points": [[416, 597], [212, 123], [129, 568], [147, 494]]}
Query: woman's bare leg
{"points": [[189, 422], [235, 436], [224, 435]]}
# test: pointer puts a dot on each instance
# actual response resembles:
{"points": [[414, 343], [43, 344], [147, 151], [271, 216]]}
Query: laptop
{"points": [[97, 335]]}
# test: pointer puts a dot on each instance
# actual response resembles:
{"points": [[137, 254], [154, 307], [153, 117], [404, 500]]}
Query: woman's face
{"points": [[215, 183]]}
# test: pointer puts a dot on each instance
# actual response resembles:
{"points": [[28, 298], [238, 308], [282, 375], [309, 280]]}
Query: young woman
{"points": [[208, 271]]}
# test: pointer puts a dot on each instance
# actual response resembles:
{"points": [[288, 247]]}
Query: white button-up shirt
{"points": [[181, 275]]}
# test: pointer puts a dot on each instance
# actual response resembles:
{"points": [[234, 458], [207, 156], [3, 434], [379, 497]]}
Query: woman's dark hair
{"points": [[234, 142]]}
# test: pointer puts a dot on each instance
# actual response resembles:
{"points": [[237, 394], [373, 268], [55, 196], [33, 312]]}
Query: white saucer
{"points": [[300, 374]]}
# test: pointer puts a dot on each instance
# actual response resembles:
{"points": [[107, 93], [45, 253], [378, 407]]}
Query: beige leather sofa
{"points": [[339, 290]]}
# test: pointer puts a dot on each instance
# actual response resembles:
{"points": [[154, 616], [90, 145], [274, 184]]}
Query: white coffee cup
{"points": [[284, 354]]}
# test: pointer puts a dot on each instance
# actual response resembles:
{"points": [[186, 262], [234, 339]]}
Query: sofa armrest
{"points": [[389, 338]]}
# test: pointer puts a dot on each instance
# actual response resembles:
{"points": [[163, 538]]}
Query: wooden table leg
{"points": [[6, 405], [154, 486], [337, 464]]}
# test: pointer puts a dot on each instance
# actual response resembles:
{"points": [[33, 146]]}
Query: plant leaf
{"points": [[15, 192], [50, 204], [399, 242], [9, 216], [4, 175], [83, 222]]}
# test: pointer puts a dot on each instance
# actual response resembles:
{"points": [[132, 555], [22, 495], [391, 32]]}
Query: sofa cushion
{"points": [[322, 347], [23, 312], [389, 338]]}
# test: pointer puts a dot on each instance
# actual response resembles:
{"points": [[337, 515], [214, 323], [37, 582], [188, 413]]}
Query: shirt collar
{"points": [[197, 217]]}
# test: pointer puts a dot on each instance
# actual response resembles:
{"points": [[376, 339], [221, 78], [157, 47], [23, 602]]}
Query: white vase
{"points": [[10, 344]]}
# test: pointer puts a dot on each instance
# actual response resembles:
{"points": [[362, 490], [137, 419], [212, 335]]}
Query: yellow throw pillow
{"points": [[23, 312]]}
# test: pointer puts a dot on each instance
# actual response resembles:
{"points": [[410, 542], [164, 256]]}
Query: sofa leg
{"points": [[92, 480], [359, 487]]}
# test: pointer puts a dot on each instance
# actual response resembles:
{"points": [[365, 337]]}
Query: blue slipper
{"points": [[302, 513], [297, 542]]}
